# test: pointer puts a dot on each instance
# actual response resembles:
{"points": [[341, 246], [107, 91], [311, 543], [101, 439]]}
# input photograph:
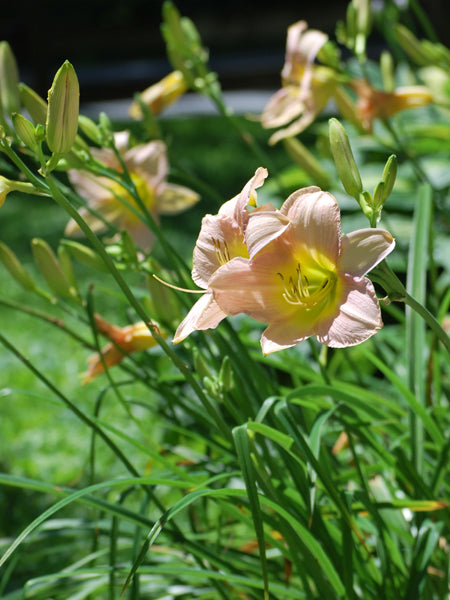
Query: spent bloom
{"points": [[301, 277], [306, 87], [125, 340], [220, 240], [148, 167], [375, 104]]}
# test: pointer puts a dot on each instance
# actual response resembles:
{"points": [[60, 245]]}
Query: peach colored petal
{"points": [[363, 249], [253, 288], [218, 234], [263, 227], [359, 315], [174, 199], [316, 225], [284, 106], [205, 314], [236, 208], [149, 161]]}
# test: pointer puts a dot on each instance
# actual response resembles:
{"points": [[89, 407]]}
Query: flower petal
{"points": [[363, 249], [219, 240], [236, 208], [316, 222], [252, 287], [174, 199], [149, 161], [205, 314], [263, 227], [359, 315]]}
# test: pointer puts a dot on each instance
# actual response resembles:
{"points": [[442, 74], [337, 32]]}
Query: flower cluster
{"points": [[290, 268], [307, 88]]}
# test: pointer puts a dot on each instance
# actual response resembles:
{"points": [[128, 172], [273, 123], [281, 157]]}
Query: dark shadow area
{"points": [[117, 47]]}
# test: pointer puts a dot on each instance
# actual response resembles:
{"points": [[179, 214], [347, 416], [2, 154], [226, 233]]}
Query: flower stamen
{"points": [[222, 252], [299, 291]]}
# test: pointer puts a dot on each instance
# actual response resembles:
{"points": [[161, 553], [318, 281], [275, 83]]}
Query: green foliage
{"points": [[207, 470]]}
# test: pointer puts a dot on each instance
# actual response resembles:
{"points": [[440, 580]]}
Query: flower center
{"points": [[307, 290], [225, 251]]}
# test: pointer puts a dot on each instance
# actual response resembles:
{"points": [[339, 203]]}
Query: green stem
{"points": [[430, 320], [62, 201]]}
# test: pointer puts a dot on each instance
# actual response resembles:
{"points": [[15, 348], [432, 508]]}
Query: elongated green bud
{"points": [[226, 375], [387, 71], [344, 160], [84, 255], [35, 105], [26, 131], [12, 263], [63, 107], [90, 129], [51, 269], [9, 80], [66, 265], [389, 175]]}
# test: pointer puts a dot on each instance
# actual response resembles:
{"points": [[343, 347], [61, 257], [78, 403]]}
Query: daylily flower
{"points": [[375, 104], [306, 87], [302, 277], [220, 240], [148, 167], [125, 340], [161, 94]]}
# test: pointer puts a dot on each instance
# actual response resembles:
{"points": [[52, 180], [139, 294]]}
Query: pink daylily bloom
{"points": [[306, 87], [148, 167], [302, 277], [221, 239]]}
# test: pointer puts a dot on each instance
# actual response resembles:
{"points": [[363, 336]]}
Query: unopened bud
{"points": [[62, 113], [387, 71], [416, 50], [389, 175], [84, 255], [9, 80], [51, 269], [90, 129], [226, 375], [66, 265], [15, 268], [35, 105], [26, 131], [344, 160]]}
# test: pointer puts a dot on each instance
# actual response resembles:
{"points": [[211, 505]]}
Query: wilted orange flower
{"points": [[161, 94], [306, 87], [375, 104], [148, 167], [125, 340]]}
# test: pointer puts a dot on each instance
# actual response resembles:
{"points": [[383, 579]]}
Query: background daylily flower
{"points": [[375, 104], [306, 88], [125, 340], [302, 277], [221, 239], [148, 167]]}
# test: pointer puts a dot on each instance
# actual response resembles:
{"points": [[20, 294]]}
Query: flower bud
{"points": [[389, 175], [387, 71], [35, 105], [9, 80], [84, 255], [26, 131], [62, 112], [51, 269], [90, 129], [66, 265], [12, 263], [344, 160], [412, 46]]}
